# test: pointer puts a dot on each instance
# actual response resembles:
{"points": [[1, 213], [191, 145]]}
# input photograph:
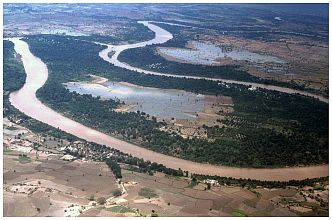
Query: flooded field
{"points": [[25, 100], [60, 31], [208, 54], [162, 103], [162, 36]]}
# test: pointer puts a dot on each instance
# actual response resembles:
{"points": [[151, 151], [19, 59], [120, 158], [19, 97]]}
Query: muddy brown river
{"points": [[162, 36], [26, 101]]}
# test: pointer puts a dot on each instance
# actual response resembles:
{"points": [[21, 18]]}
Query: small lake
{"points": [[206, 54], [162, 103]]}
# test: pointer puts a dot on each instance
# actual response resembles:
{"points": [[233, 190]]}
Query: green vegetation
{"points": [[119, 209], [44, 130], [114, 166], [318, 187], [267, 128], [147, 166], [189, 85], [239, 213], [304, 141], [147, 193], [23, 157], [117, 192], [13, 71], [147, 58], [193, 183], [249, 183], [7, 151], [132, 32], [14, 78], [101, 200]]}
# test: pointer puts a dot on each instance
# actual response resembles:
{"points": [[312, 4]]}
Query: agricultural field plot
{"points": [[157, 110], [69, 20], [18, 138], [47, 185], [176, 197], [253, 108], [263, 52], [305, 62]]}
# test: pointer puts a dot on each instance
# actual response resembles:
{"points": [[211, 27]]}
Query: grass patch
{"points": [[23, 157], [147, 193], [239, 213], [318, 187], [7, 151], [178, 178], [119, 209]]}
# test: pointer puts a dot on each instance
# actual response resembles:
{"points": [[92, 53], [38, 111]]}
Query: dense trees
{"points": [[252, 107], [13, 79], [147, 166], [229, 181], [132, 33], [275, 129], [114, 166], [138, 164], [13, 71], [302, 142], [148, 56]]}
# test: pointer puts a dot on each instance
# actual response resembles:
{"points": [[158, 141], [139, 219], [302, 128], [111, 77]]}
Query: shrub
{"points": [[101, 200]]}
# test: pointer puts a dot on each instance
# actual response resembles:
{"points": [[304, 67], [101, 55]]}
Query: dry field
{"points": [[177, 198], [47, 186], [41, 184], [307, 61]]}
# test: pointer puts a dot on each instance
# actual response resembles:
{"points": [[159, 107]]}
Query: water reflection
{"points": [[162, 103], [162, 36]]}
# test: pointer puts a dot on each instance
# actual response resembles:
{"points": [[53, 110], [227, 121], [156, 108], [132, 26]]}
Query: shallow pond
{"points": [[206, 54], [162, 103]]}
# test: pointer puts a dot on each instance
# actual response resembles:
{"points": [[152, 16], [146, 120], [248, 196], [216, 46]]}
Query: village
{"points": [[55, 177]]}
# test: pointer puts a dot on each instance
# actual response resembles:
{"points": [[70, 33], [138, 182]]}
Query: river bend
{"points": [[25, 100]]}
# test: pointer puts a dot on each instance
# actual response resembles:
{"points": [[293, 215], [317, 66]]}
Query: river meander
{"points": [[26, 101], [162, 36]]}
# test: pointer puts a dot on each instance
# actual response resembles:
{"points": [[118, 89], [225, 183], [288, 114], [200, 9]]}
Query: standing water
{"points": [[162, 103]]}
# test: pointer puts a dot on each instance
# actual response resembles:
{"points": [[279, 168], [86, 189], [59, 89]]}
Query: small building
{"points": [[212, 182], [68, 157]]}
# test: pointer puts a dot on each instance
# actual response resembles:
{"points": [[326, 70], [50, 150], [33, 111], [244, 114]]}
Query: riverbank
{"points": [[162, 36], [25, 100]]}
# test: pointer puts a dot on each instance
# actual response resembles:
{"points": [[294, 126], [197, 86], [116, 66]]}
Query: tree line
{"points": [[289, 131]]}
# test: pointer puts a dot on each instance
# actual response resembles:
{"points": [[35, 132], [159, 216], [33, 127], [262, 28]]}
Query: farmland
{"points": [[149, 110]]}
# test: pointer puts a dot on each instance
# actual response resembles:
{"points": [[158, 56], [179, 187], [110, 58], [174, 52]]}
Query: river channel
{"points": [[162, 36], [25, 100]]}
